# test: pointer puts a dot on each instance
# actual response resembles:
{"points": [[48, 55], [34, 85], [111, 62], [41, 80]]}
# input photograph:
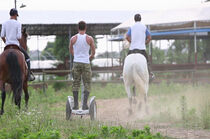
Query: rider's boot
{"points": [[29, 71], [86, 95], [75, 94], [151, 74]]}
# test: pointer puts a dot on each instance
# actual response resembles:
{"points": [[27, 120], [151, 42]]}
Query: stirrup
{"points": [[32, 77], [151, 77], [121, 76]]}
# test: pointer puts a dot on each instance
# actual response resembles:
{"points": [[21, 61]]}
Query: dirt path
{"points": [[115, 111]]}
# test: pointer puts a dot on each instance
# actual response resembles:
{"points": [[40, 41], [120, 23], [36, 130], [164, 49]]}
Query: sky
{"points": [[92, 5], [98, 4]]}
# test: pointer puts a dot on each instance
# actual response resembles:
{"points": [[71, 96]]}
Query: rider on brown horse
{"points": [[11, 35]]}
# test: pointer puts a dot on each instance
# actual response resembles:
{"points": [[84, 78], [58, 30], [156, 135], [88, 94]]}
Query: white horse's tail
{"points": [[139, 78]]}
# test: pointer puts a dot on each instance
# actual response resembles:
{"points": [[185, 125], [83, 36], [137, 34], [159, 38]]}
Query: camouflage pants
{"points": [[84, 70]]}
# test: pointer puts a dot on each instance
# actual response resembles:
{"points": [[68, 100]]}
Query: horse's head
{"points": [[24, 35], [24, 38]]}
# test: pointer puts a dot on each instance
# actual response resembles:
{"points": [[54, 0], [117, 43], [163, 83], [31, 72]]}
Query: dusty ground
{"points": [[115, 111]]}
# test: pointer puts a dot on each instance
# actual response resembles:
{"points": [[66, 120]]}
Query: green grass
{"points": [[183, 105]]}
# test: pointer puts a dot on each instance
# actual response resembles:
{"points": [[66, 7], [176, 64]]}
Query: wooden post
{"points": [[43, 80]]}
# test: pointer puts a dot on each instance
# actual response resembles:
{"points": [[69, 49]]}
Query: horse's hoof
{"points": [[130, 112], [147, 110], [139, 107], [134, 101], [1, 112]]}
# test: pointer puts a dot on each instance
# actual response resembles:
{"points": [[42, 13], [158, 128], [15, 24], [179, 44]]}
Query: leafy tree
{"points": [[182, 51], [49, 47], [178, 52], [158, 55], [205, 49], [48, 51], [108, 55], [61, 47]]}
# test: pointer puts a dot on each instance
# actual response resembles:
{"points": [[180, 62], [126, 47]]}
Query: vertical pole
{"points": [[43, 80], [112, 56], [107, 55], [150, 50], [119, 48], [195, 45], [38, 50], [15, 4], [70, 56]]}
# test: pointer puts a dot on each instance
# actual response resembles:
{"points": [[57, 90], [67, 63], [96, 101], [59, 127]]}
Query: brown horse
{"points": [[13, 70]]}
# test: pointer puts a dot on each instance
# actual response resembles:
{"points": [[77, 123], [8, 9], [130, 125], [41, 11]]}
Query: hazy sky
{"points": [[98, 4], [85, 5]]}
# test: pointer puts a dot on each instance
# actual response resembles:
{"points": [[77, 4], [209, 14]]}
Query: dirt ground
{"points": [[115, 111]]}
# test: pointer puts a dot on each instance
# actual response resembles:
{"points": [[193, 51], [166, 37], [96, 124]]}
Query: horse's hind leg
{"points": [[127, 88], [18, 101], [134, 95], [140, 101], [146, 107], [3, 97]]}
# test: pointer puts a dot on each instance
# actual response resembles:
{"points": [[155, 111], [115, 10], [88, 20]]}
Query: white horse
{"points": [[135, 73]]}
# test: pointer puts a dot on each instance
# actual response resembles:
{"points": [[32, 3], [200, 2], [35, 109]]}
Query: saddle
{"points": [[135, 51], [12, 46]]}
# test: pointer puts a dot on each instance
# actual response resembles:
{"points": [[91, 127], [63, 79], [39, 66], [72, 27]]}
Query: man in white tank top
{"points": [[79, 47], [11, 35], [139, 36]]}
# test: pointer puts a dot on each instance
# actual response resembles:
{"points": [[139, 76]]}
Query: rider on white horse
{"points": [[136, 35]]}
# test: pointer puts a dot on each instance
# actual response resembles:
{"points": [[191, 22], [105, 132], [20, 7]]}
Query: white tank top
{"points": [[138, 36], [81, 49], [11, 29]]}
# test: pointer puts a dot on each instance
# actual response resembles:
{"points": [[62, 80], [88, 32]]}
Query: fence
{"points": [[169, 76]]}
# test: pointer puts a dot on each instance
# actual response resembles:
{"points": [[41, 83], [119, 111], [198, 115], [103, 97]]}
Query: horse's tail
{"points": [[15, 76], [140, 80]]}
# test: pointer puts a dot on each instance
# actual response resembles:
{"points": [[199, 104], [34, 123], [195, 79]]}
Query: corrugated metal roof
{"points": [[60, 22], [69, 17]]}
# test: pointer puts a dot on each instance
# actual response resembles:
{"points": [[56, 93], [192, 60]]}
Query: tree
{"points": [[158, 55], [178, 52], [48, 51], [49, 47], [61, 49], [108, 55]]}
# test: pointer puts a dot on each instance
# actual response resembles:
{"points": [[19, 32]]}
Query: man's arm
{"points": [[72, 42], [128, 35], [128, 38], [149, 38], [92, 46]]}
